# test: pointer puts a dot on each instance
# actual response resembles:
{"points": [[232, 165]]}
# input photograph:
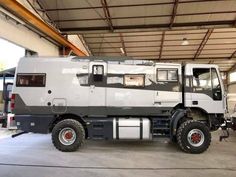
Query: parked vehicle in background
{"points": [[6, 118]]}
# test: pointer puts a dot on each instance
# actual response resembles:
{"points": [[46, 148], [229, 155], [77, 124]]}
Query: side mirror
{"points": [[7, 91]]}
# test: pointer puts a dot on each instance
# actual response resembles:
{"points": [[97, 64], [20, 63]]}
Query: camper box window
{"points": [[31, 80], [98, 71], [133, 80], [167, 75]]}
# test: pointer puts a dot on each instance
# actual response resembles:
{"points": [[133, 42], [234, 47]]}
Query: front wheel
{"points": [[68, 135], [193, 137]]}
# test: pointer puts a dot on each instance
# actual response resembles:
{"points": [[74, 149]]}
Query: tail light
{"points": [[13, 96]]}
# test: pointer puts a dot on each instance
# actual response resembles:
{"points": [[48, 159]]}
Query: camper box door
{"points": [[97, 88], [167, 92]]}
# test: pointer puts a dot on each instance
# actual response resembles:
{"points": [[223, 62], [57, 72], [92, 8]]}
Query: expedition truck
{"points": [[78, 98]]}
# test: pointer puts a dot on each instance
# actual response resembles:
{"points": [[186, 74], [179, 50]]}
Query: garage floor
{"points": [[33, 155]]}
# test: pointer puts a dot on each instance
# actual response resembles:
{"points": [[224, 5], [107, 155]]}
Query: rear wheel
{"points": [[68, 135], [193, 137]]}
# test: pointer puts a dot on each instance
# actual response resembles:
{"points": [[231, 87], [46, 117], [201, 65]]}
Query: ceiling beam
{"points": [[107, 14], [202, 24], [232, 68], [162, 44], [203, 43], [96, 35], [174, 12], [129, 5], [141, 46], [43, 12], [179, 55], [187, 58], [123, 44], [167, 50], [84, 42], [23, 13], [169, 40], [233, 55], [145, 16]]}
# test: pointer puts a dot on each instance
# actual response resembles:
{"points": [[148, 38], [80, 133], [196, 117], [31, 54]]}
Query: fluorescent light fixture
{"points": [[122, 50], [185, 42]]}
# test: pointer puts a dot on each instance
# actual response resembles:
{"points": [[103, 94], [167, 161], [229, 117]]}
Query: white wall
{"points": [[231, 95], [77, 42], [24, 37]]}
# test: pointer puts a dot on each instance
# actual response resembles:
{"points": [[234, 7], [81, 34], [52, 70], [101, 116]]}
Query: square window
{"points": [[167, 75], [134, 80], [162, 75], [31, 80], [172, 75]]}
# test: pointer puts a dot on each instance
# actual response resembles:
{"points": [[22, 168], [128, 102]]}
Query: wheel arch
{"points": [[175, 119], [189, 113], [69, 116]]}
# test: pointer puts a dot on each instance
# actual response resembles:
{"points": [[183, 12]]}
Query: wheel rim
{"points": [[67, 136], [196, 137]]}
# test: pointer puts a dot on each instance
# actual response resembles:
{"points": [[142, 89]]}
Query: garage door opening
{"points": [[10, 55]]}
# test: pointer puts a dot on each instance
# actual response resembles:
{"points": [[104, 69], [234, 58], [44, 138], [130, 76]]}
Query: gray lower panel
{"points": [[99, 128], [34, 123], [22, 109], [99, 111]]}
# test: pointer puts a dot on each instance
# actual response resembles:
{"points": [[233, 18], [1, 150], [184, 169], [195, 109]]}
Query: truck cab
{"points": [[204, 88]]}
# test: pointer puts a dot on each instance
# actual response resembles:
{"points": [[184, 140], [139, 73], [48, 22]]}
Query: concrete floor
{"points": [[33, 155]]}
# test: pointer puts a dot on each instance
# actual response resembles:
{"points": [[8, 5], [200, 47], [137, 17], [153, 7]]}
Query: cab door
{"points": [[97, 88], [207, 89]]}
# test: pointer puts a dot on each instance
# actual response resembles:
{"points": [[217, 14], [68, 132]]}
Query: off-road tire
{"points": [[76, 126], [182, 134]]}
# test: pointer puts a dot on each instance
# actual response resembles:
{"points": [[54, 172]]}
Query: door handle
{"points": [[157, 103], [195, 102]]}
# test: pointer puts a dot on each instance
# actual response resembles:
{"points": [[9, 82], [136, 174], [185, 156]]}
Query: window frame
{"points": [[134, 86], [193, 86], [32, 74], [210, 72], [167, 69], [218, 78], [97, 74]]}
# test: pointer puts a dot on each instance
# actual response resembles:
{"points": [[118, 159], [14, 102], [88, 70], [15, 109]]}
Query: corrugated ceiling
{"points": [[151, 29]]}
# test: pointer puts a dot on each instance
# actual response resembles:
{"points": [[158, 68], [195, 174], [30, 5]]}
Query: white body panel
{"points": [[97, 95], [60, 78], [69, 90]]}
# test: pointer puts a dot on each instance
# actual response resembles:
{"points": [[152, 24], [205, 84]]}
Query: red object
{"points": [[13, 96], [196, 138], [68, 135]]}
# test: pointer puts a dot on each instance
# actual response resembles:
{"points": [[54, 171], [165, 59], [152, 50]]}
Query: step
{"points": [[161, 136], [161, 128]]}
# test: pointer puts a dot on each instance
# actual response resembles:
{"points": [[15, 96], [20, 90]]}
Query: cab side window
{"points": [[206, 81], [201, 80], [216, 89]]}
